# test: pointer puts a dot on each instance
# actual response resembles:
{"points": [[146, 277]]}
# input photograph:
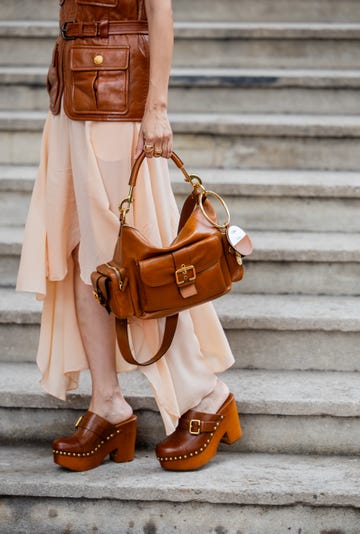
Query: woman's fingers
{"points": [[148, 149], [156, 134], [158, 151]]}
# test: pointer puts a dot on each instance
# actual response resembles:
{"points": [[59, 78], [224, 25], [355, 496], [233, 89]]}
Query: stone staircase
{"points": [[265, 107]]}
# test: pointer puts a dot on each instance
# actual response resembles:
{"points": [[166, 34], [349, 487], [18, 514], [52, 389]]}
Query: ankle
{"points": [[112, 406], [215, 399]]}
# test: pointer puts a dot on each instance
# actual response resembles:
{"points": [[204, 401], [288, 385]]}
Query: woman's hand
{"points": [[155, 135]]}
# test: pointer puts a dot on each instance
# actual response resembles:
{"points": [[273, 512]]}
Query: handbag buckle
{"points": [[186, 274], [197, 423]]}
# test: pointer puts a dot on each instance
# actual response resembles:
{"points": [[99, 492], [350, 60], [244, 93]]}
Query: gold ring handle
{"points": [[222, 202]]}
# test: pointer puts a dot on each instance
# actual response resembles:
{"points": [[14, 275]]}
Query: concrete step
{"points": [[312, 264], [267, 200], [257, 493], [214, 44], [223, 140], [260, 45], [228, 10], [282, 262], [262, 11], [218, 90], [292, 332], [296, 405], [277, 200]]}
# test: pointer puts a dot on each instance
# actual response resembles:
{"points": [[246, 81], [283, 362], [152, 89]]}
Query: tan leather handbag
{"points": [[151, 282]]}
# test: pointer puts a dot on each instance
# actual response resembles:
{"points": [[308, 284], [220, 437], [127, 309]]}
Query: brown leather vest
{"points": [[100, 62]]}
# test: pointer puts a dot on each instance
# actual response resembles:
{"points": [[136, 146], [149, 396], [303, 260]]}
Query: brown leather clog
{"points": [[197, 436], [93, 440]]}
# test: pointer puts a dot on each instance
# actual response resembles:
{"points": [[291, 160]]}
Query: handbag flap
{"points": [[199, 256], [84, 58]]}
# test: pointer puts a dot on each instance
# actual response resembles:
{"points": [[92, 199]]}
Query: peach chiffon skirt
{"points": [[83, 174]]}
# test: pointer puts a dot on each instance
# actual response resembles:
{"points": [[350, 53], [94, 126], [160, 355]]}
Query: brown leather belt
{"points": [[101, 28]]}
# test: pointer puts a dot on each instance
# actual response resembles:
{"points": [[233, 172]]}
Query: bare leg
{"points": [[98, 336]]}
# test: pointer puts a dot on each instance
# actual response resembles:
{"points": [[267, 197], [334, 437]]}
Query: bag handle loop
{"points": [[125, 204], [192, 179]]}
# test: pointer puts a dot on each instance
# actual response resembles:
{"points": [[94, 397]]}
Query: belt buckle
{"points": [[196, 422], [63, 32], [183, 276]]}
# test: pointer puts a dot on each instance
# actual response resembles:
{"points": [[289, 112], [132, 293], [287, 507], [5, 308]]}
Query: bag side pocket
{"points": [[236, 269], [111, 289]]}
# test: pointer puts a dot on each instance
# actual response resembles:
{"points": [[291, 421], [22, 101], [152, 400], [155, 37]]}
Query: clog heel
{"points": [[197, 436], [94, 439]]}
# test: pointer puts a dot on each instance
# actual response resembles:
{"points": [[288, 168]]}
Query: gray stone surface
{"points": [[209, 44], [225, 90], [301, 278], [27, 514], [253, 349], [288, 213], [269, 480], [245, 10], [300, 434], [272, 332], [231, 182], [259, 182], [18, 308], [281, 275], [295, 350], [282, 262], [210, 29], [17, 178], [311, 247], [280, 312], [223, 124], [19, 343], [271, 404], [223, 140], [292, 312], [257, 392]]}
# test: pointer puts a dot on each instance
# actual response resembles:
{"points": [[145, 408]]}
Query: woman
{"points": [[72, 227]]}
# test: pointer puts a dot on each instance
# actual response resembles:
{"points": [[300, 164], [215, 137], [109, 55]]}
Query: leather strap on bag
{"points": [[125, 204], [140, 159], [124, 345]]}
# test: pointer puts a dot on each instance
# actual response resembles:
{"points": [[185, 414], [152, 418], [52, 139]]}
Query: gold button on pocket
{"points": [[98, 60]]}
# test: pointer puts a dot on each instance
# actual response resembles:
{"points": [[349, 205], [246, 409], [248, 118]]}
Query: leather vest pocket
{"points": [[99, 81]]}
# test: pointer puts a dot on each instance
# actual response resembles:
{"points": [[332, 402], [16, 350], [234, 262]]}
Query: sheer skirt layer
{"points": [[83, 174]]}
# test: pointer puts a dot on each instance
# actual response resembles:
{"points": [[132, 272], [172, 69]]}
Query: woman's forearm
{"points": [[161, 37]]}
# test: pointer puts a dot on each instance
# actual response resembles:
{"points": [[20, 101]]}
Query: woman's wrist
{"points": [[156, 106]]}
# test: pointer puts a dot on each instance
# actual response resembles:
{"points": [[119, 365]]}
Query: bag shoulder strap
{"points": [[124, 345]]}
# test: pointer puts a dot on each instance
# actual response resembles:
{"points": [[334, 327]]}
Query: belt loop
{"points": [[103, 29]]}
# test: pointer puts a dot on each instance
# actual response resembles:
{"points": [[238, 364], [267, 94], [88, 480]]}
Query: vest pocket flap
{"points": [[191, 260], [85, 58]]}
